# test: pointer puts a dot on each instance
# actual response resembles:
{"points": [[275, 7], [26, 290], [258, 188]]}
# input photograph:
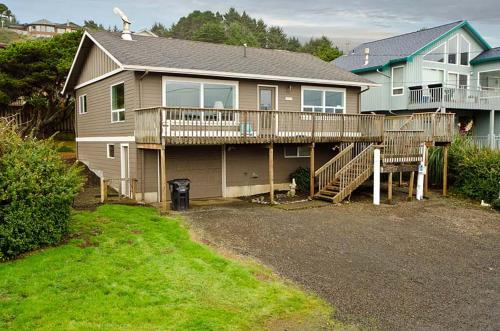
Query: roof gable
{"points": [[402, 48], [490, 55]]}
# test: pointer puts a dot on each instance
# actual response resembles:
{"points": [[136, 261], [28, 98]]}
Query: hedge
{"points": [[36, 192]]}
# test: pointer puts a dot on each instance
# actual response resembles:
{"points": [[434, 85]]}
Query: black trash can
{"points": [[179, 193]]}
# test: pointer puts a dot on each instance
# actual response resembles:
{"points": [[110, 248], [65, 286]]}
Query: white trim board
{"points": [[106, 139], [93, 80], [245, 76]]}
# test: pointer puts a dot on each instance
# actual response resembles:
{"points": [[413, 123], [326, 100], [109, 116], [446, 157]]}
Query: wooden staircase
{"points": [[340, 176]]}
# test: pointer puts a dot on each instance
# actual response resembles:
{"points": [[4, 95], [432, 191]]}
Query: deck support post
{"points": [[421, 175], [143, 175], [376, 176], [426, 172], [445, 170], [163, 175], [389, 189], [311, 171], [400, 178], [271, 173], [492, 129], [104, 190], [410, 186]]}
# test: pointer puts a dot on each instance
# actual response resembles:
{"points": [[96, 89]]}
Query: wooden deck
{"points": [[455, 98], [182, 126]]}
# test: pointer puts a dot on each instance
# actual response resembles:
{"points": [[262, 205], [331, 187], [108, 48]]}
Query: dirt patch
{"points": [[432, 264]]}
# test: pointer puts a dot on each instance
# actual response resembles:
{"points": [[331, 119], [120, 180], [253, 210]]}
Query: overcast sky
{"points": [[347, 22]]}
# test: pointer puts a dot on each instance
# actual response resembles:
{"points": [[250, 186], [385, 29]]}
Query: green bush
{"points": [[301, 176], [496, 204], [36, 192], [474, 172], [64, 148]]}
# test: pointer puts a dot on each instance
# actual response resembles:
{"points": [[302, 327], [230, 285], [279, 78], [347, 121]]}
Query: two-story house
{"points": [[44, 28], [449, 68], [234, 120]]}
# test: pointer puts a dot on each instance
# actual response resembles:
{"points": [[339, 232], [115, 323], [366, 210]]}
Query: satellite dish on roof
{"points": [[126, 34]]}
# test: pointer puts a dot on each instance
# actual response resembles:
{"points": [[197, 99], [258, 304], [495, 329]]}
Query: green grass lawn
{"points": [[128, 268]]}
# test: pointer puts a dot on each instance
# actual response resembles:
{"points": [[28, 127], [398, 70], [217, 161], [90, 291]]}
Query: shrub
{"points": [[64, 148], [301, 176], [36, 192], [474, 172], [496, 204]]}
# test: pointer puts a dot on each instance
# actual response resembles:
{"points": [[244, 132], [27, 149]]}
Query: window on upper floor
{"points": [[82, 104], [452, 50], [464, 48], [118, 102], [398, 80], [437, 54], [323, 100]]}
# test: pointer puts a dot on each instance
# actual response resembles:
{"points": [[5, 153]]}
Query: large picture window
{"points": [[323, 100], [452, 50], [437, 54], [194, 94], [118, 102], [464, 49], [398, 80]]}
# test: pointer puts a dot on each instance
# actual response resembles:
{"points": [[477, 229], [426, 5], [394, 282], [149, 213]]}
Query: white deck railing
{"points": [[451, 97]]}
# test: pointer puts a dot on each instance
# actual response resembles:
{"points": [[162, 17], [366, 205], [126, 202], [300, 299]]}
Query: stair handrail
{"points": [[327, 172], [334, 159], [343, 186]]}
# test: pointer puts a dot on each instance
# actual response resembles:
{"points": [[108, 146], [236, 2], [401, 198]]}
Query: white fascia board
{"points": [[246, 76]]}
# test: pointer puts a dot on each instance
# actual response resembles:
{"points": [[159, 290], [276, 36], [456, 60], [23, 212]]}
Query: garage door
{"points": [[201, 164]]}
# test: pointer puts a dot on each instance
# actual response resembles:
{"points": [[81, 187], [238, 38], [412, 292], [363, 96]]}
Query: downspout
{"points": [[390, 94]]}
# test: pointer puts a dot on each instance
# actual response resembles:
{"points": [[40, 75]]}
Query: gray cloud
{"points": [[355, 20]]}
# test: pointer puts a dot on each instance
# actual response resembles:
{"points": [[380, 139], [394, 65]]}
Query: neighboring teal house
{"points": [[449, 68]]}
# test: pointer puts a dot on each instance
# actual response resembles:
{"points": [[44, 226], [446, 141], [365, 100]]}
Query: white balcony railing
{"points": [[452, 97]]}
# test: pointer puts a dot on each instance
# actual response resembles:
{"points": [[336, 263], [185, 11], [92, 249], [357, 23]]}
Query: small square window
{"points": [[297, 151], [82, 104], [111, 151]]}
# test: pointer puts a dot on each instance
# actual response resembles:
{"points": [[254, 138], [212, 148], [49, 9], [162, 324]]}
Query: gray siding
{"points": [[97, 121], [96, 64]]}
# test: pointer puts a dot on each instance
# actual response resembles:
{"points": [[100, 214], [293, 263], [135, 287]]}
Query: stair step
{"points": [[328, 193], [323, 197]]}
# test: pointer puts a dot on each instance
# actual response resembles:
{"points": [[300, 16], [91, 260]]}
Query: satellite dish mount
{"points": [[126, 34]]}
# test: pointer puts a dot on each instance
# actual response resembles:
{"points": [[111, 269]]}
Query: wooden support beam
{"points": [[410, 186], [426, 176], [400, 178], [133, 188], [271, 173], [445, 170], [104, 190], [311, 171], [163, 174], [143, 176], [389, 189]]}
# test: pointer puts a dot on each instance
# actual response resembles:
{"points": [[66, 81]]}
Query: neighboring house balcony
{"points": [[182, 126], [452, 97]]}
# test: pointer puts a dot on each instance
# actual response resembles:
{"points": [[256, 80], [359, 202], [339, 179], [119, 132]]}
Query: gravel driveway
{"points": [[431, 265]]}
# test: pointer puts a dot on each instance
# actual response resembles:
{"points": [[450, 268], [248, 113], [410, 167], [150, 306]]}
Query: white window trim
{"points": [[297, 156], [276, 87], [459, 55], [80, 112], [321, 89], [107, 151], [402, 87], [445, 54], [202, 82], [111, 102], [425, 83], [479, 87]]}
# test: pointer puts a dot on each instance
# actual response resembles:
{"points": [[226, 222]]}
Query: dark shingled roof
{"points": [[487, 56], [194, 55], [385, 50]]}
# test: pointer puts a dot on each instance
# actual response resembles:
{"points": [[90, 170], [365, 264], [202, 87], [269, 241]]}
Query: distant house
{"points": [[449, 68], [44, 28]]}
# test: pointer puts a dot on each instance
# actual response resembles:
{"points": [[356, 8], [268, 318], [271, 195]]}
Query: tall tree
{"points": [[92, 25], [322, 48], [160, 30], [35, 71], [213, 32], [187, 26]]}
